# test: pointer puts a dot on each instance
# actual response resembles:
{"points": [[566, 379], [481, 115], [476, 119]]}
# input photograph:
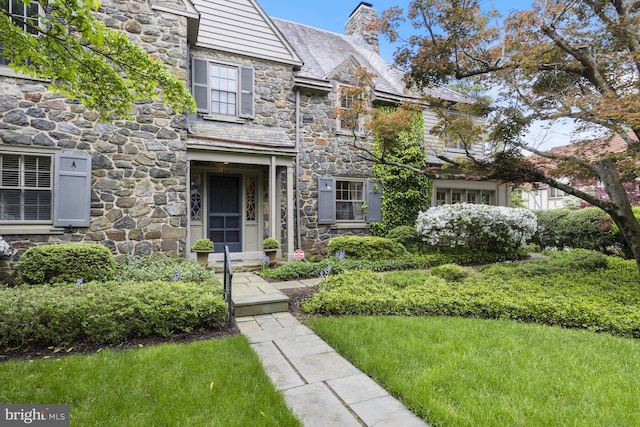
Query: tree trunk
{"points": [[620, 207]]}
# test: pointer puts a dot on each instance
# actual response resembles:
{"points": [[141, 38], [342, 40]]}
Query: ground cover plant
{"points": [[216, 382], [473, 372], [580, 289]]}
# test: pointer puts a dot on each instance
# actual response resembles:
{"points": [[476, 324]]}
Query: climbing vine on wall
{"points": [[405, 193]]}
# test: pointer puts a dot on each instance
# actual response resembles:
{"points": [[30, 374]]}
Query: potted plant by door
{"points": [[202, 248], [270, 247]]}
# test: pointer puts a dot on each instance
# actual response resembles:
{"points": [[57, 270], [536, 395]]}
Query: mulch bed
{"points": [[31, 351]]}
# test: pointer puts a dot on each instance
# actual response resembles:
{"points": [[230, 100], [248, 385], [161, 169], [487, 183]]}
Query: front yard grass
{"points": [[204, 383], [473, 372]]}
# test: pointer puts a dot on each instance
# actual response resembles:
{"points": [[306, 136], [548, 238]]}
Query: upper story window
{"points": [[223, 90], [554, 193], [22, 15], [25, 188]]}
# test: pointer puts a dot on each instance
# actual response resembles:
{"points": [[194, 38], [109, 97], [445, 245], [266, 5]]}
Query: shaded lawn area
{"points": [[472, 372], [216, 382]]}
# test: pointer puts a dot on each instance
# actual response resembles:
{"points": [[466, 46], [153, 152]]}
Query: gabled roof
{"points": [[324, 52], [242, 27]]}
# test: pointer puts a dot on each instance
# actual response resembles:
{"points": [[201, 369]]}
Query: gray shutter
{"points": [[326, 200], [72, 190], [199, 83], [374, 201], [246, 92]]}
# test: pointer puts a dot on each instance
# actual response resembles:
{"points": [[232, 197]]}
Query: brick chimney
{"points": [[361, 18]]}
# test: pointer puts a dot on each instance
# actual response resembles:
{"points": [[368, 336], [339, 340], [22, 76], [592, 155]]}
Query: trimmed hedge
{"points": [[579, 296], [366, 247], [587, 228], [106, 313], [149, 268], [407, 236], [66, 263]]}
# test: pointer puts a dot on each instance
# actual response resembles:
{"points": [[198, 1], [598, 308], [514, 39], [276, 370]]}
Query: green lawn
{"points": [[216, 382], [473, 372]]}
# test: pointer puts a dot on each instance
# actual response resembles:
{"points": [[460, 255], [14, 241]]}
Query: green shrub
{"points": [[66, 263], [604, 300], [366, 247], [407, 236], [149, 268], [270, 243], [106, 312], [451, 272], [202, 245], [588, 228]]}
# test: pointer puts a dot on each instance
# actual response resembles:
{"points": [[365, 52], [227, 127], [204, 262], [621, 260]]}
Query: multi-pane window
{"points": [[22, 15], [446, 196], [554, 193], [348, 120], [350, 198], [25, 187], [224, 88]]}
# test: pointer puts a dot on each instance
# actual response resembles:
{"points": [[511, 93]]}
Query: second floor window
{"points": [[223, 90], [22, 15]]}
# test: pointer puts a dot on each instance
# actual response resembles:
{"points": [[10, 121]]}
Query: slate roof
{"points": [[324, 51], [231, 135]]}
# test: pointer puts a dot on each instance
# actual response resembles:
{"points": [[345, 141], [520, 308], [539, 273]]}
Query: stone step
{"points": [[252, 305]]}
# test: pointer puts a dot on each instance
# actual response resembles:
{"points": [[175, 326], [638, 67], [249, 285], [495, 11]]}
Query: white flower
{"points": [[480, 226], [5, 247]]}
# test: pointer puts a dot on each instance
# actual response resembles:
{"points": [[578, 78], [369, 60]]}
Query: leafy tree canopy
{"points": [[560, 59], [85, 60]]}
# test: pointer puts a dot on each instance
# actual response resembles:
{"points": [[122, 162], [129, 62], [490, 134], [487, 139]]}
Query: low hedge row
{"points": [[603, 299], [366, 247], [106, 312], [305, 270]]}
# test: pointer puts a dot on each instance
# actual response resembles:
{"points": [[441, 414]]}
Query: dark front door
{"points": [[225, 222]]}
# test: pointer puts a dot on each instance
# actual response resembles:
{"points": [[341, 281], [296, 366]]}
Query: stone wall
{"points": [[324, 151], [139, 199]]}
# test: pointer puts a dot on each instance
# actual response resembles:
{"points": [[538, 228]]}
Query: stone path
{"points": [[320, 386]]}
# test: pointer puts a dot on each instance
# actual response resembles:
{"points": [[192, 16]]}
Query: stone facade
{"points": [[139, 188]]}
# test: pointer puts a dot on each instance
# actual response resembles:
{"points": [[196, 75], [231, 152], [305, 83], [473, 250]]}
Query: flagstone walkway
{"points": [[321, 387]]}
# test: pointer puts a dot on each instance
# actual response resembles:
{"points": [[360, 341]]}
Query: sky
{"points": [[331, 15]]}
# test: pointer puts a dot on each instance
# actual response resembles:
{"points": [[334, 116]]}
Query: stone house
{"points": [[263, 156]]}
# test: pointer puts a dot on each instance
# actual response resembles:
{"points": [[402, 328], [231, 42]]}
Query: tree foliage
{"points": [[560, 59], [85, 60]]}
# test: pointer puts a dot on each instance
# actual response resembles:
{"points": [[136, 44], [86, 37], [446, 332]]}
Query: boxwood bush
{"points": [[67, 262], [366, 247], [600, 299], [106, 313]]}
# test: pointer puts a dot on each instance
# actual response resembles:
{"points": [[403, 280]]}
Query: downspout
{"points": [[297, 112]]}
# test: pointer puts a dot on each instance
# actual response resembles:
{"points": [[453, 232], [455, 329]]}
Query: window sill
{"points": [[350, 225], [346, 132], [6, 71], [222, 118], [6, 230]]}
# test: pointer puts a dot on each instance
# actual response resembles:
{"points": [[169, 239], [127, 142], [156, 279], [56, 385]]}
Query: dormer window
{"points": [[222, 90]]}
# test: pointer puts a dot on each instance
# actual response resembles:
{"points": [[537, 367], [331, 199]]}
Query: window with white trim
{"points": [[223, 90], [446, 196], [349, 200], [23, 15], [26, 188]]}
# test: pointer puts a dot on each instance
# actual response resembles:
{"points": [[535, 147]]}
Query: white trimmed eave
{"points": [[243, 53]]}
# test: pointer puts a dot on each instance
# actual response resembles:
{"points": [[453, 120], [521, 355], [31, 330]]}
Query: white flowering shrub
{"points": [[5, 247], [491, 228]]}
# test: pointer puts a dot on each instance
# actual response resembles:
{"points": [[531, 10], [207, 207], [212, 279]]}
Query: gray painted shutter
{"points": [[326, 200], [72, 190], [246, 92], [199, 82], [374, 201]]}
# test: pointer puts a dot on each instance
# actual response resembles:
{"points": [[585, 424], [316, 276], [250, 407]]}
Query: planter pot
{"points": [[202, 257], [273, 256]]}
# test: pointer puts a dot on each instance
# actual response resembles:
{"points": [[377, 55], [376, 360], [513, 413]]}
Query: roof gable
{"points": [[345, 72], [242, 27]]}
